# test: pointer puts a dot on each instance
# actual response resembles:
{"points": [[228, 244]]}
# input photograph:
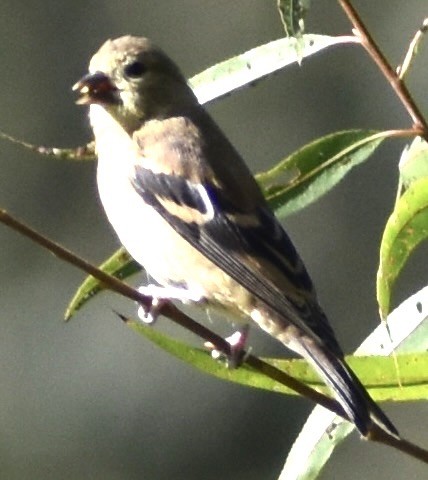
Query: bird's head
{"points": [[134, 81]]}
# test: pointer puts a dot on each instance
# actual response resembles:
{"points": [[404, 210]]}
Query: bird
{"points": [[187, 208]]}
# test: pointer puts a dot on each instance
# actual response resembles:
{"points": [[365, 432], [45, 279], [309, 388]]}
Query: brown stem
{"points": [[380, 436], [390, 74], [173, 313], [170, 311]]}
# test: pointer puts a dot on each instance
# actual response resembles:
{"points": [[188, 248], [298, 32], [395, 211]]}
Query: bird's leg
{"points": [[237, 342], [160, 295]]}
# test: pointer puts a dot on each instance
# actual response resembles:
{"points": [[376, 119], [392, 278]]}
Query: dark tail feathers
{"points": [[349, 391]]}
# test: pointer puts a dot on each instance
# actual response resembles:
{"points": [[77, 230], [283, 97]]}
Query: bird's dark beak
{"points": [[96, 88]]}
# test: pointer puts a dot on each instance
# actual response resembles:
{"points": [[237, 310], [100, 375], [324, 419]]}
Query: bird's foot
{"points": [[237, 342], [160, 295]]}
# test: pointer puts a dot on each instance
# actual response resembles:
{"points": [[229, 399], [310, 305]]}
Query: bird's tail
{"points": [[349, 391]]}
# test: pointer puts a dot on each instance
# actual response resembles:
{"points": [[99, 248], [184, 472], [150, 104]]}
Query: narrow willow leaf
{"points": [[221, 79], [406, 228], [202, 360], [316, 168], [246, 68], [414, 162], [412, 51], [292, 13], [377, 373], [120, 264], [379, 376], [323, 430]]}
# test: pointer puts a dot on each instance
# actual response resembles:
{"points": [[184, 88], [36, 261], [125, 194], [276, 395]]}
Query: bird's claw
{"points": [[237, 342], [161, 295], [150, 313]]}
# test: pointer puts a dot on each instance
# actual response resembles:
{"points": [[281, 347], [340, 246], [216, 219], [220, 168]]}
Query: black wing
{"points": [[231, 246]]}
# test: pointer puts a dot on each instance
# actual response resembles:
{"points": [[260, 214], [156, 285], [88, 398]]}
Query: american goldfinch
{"points": [[186, 207]]}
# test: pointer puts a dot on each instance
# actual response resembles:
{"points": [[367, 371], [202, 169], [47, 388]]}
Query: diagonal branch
{"points": [[170, 311], [390, 74]]}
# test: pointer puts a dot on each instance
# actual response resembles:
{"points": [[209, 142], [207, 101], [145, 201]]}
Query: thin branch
{"points": [[390, 74], [380, 436], [170, 311], [83, 153]]}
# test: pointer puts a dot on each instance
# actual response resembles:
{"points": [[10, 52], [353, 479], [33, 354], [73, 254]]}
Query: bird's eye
{"points": [[134, 70]]}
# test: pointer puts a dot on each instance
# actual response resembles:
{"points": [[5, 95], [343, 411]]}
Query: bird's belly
{"points": [[149, 239], [164, 254]]}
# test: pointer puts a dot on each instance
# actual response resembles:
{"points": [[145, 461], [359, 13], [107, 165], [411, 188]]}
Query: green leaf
{"points": [[202, 360], [316, 168], [120, 264], [323, 431], [378, 374], [406, 228], [381, 375], [292, 13], [248, 67], [222, 79], [414, 162]]}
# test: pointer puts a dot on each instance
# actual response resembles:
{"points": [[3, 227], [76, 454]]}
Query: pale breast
{"points": [[166, 256]]}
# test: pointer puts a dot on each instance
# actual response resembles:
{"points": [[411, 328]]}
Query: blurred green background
{"points": [[91, 399]]}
